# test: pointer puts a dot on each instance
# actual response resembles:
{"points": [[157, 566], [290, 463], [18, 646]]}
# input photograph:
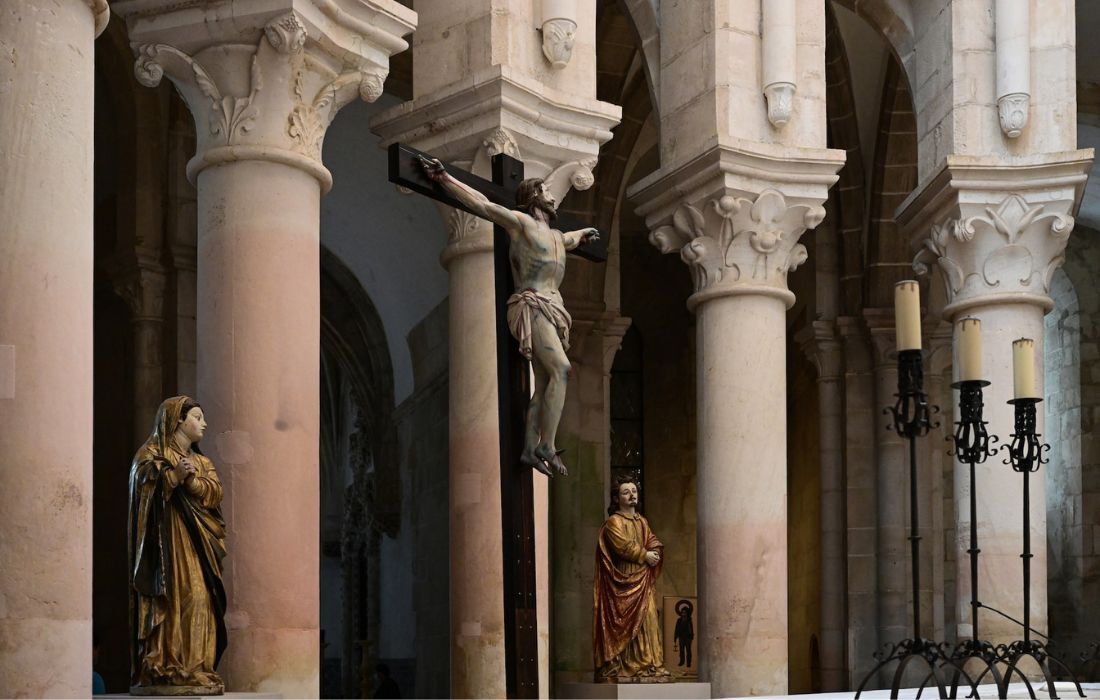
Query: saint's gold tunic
{"points": [[177, 543], [626, 635]]}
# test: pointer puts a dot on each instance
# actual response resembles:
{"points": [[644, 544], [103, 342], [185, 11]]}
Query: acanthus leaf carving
{"points": [[229, 116], [461, 225], [1014, 246], [689, 221], [308, 122], [665, 239], [751, 240]]}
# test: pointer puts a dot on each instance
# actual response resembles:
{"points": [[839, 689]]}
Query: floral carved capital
{"points": [[1012, 248], [263, 113], [738, 242], [310, 119], [228, 117]]}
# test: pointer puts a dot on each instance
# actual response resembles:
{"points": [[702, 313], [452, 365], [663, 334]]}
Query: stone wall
{"points": [[804, 523], [422, 434], [1072, 365]]}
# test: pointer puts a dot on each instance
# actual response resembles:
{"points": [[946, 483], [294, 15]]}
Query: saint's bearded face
{"points": [[546, 202], [628, 495]]}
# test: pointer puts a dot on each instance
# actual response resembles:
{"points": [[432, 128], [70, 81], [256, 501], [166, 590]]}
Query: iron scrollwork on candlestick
{"points": [[912, 418], [1025, 454], [973, 445]]}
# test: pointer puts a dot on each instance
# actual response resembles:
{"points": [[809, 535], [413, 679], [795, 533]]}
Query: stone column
{"points": [[996, 235], [891, 476], [557, 134], [143, 291], [739, 236], [824, 350], [861, 419], [263, 81], [46, 110]]}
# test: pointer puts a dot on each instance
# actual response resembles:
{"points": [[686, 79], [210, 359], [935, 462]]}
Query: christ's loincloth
{"points": [[522, 307]]}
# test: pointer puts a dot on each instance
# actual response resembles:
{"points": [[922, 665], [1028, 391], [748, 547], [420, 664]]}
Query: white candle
{"points": [[1023, 368], [907, 315], [970, 350]]}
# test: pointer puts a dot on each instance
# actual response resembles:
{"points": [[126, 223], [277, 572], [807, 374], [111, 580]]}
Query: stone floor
{"points": [[1065, 691]]}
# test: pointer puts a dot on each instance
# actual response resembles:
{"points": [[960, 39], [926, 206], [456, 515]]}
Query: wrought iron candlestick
{"points": [[1025, 454], [972, 445], [912, 418]]}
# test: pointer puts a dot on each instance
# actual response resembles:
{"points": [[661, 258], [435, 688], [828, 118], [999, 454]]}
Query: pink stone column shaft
{"points": [[742, 482], [46, 137], [477, 605], [1000, 490], [258, 373]]}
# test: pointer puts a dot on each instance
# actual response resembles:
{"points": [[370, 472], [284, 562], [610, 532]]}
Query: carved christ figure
{"points": [[536, 313]]}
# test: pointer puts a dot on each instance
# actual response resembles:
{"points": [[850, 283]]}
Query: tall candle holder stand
{"points": [[1025, 454], [972, 445], [911, 419]]}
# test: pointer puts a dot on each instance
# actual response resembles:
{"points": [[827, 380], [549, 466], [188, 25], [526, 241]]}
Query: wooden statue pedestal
{"points": [[634, 691]]}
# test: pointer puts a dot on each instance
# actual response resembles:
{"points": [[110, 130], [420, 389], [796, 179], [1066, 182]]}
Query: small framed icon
{"points": [[679, 622]]}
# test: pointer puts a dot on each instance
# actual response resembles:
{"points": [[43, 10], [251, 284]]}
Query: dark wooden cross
{"points": [[516, 499]]}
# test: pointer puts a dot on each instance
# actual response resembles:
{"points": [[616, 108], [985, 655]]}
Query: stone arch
{"points": [[360, 480], [645, 22], [894, 20], [847, 197], [894, 177]]}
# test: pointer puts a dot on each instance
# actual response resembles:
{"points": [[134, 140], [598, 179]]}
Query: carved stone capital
{"points": [[735, 215], [736, 243], [466, 234], [1013, 248], [823, 348], [883, 334], [266, 87], [996, 233], [142, 289]]}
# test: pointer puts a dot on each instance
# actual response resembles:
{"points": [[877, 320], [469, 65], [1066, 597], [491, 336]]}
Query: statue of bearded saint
{"points": [[626, 635], [177, 543]]}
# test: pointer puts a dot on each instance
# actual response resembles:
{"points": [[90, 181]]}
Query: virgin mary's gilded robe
{"points": [[177, 543], [626, 635]]}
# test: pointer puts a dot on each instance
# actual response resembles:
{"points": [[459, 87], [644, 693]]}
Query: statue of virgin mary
{"points": [[176, 545]]}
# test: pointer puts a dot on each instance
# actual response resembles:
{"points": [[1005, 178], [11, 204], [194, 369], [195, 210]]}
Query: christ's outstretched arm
{"points": [[573, 239], [471, 198]]}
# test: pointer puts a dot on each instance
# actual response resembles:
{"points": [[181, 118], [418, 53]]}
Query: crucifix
{"points": [[526, 249]]}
